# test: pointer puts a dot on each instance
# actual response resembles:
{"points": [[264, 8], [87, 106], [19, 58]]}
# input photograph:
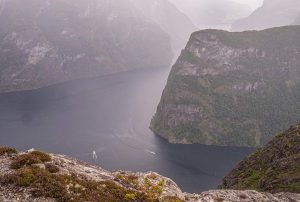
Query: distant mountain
{"points": [[170, 19], [232, 89], [273, 168], [51, 41], [273, 13], [213, 13], [297, 21]]}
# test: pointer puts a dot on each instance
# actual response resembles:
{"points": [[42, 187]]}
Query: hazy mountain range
{"points": [[169, 18], [213, 13], [51, 41], [272, 13], [297, 21]]}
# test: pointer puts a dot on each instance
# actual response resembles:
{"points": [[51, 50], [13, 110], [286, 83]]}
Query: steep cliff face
{"points": [[273, 13], [169, 18], [274, 168], [232, 89], [37, 176], [45, 42]]}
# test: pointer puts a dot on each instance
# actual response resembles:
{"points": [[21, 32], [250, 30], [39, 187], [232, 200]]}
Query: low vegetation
{"points": [[7, 150], [37, 172], [171, 199], [51, 168], [274, 168], [34, 157]]}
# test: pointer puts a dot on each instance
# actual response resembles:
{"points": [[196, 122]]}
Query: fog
{"points": [[273, 13], [84, 78], [252, 3], [216, 13]]}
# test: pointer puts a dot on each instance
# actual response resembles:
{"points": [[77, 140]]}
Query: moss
{"points": [[292, 187], [252, 181], [128, 180], [70, 187], [153, 189], [7, 150], [26, 177], [130, 197], [44, 183]]}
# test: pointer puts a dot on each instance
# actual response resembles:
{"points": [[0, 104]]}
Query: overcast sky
{"points": [[253, 3]]}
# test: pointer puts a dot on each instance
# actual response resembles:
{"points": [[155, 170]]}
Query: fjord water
{"points": [[110, 115]]}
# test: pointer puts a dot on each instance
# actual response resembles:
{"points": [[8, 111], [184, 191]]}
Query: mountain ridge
{"points": [[48, 42], [270, 14]]}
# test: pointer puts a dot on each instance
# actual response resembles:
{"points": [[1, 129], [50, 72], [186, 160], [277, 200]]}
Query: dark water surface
{"points": [[110, 115]]}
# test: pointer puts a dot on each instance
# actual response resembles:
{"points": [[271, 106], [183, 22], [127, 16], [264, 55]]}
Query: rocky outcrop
{"points": [[36, 176], [273, 168], [46, 42], [232, 89], [273, 13]]}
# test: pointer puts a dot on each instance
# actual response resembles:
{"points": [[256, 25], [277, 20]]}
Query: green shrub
{"points": [[129, 180], [28, 159], [41, 155], [51, 168], [43, 183], [25, 177], [24, 160], [130, 197]]}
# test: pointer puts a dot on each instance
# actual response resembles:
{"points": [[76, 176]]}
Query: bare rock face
{"points": [[51, 41], [273, 13], [68, 179], [232, 89]]}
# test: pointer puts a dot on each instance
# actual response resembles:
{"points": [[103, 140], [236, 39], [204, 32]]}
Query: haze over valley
{"points": [[160, 98]]}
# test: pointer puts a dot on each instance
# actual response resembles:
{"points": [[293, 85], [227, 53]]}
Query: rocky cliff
{"points": [[37, 176], [232, 89], [51, 41], [273, 168], [273, 13]]}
